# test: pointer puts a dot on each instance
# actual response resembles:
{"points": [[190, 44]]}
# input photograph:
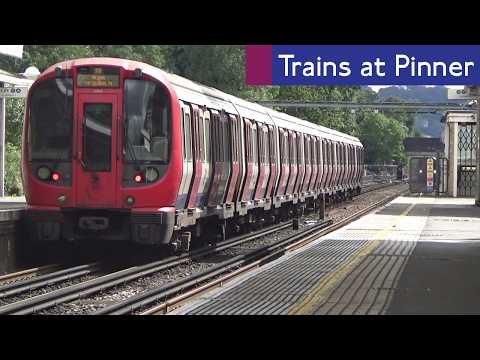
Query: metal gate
{"points": [[466, 166]]}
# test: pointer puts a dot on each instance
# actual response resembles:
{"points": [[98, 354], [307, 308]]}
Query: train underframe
{"points": [[167, 228]]}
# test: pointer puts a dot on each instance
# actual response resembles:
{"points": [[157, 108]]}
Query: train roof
{"points": [[190, 91]]}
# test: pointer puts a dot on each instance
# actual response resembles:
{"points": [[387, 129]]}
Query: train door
{"points": [[187, 156], [205, 142], [197, 157], [319, 183], [292, 144], [341, 164], [308, 163], [233, 177], [328, 163], [263, 162], [272, 159], [300, 162], [97, 181], [314, 163], [284, 166]]}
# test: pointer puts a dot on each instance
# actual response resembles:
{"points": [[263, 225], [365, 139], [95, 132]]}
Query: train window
{"points": [[233, 137], [201, 135], [273, 150], [247, 141], [188, 136], [50, 128], [226, 141], [313, 154], [184, 137], [254, 144], [221, 140], [300, 149], [147, 115], [327, 152], [207, 136], [97, 137], [260, 145]]}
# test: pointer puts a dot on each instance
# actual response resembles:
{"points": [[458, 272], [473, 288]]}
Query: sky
{"points": [[378, 87]]}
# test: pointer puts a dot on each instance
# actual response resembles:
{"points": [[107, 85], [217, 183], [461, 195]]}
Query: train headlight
{"points": [[151, 174], [130, 200], [44, 173]]}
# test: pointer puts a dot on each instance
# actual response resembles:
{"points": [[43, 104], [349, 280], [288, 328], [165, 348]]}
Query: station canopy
{"points": [[8, 78], [12, 50], [13, 79]]}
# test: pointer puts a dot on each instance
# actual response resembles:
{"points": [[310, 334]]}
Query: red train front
{"points": [[98, 153]]}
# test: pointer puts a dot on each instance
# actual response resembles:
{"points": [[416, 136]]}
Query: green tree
{"points": [[13, 180], [382, 138], [15, 109]]}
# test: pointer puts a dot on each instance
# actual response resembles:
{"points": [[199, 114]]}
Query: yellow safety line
{"points": [[306, 306]]}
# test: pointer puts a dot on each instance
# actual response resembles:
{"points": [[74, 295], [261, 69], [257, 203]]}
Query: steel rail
{"points": [[48, 279], [254, 258], [27, 272], [89, 287]]}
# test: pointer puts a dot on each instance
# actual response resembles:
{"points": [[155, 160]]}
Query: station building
{"points": [[446, 165]]}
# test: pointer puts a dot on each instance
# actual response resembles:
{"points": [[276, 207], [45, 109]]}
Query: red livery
{"points": [[120, 150]]}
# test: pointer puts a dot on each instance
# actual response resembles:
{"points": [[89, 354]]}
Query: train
{"points": [[119, 150]]}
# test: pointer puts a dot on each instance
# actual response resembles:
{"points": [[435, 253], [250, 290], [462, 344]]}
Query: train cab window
{"points": [[97, 136], [50, 117], [148, 119]]}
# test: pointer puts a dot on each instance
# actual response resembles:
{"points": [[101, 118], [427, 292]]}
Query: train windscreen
{"points": [[50, 129], [148, 119]]}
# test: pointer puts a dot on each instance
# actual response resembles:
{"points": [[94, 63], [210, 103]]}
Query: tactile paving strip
{"points": [[276, 289], [366, 287]]}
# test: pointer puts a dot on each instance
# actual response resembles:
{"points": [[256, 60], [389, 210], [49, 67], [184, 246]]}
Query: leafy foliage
{"points": [[13, 180], [382, 138]]}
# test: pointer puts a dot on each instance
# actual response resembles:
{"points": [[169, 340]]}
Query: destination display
{"points": [[97, 77]]}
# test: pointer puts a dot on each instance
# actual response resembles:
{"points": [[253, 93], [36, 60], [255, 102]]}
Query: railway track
{"points": [[44, 301], [192, 283], [27, 273], [55, 277]]}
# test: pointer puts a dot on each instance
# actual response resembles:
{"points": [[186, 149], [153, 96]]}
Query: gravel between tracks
{"points": [[110, 296], [45, 289]]}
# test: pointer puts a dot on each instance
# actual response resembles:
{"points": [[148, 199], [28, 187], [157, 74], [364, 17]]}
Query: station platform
{"points": [[11, 208], [416, 255]]}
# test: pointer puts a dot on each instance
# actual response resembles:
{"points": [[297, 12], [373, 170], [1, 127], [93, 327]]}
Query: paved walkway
{"points": [[414, 256]]}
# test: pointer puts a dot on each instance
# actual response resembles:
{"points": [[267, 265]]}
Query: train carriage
{"points": [[120, 150]]}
